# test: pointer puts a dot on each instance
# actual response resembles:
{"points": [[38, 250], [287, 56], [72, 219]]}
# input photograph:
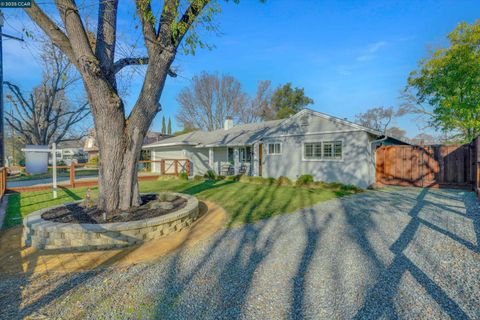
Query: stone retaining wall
{"points": [[43, 234]]}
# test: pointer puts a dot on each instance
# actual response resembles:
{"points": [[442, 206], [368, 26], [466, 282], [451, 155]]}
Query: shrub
{"points": [[304, 180], [335, 185], [233, 178], [283, 181], [245, 179], [94, 160], [350, 187], [183, 176], [210, 174], [270, 181], [258, 180], [198, 178], [220, 177]]}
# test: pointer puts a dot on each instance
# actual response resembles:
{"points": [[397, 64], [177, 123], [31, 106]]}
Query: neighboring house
{"points": [[154, 136], [71, 151], [91, 148], [309, 142]]}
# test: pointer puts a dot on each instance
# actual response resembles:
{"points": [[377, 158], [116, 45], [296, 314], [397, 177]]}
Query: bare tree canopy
{"points": [[378, 118], [209, 100], [253, 110], [396, 132], [164, 26], [47, 115], [425, 139]]}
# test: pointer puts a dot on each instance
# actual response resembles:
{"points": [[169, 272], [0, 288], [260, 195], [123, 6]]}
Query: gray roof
{"points": [[239, 135], [247, 134], [72, 144]]}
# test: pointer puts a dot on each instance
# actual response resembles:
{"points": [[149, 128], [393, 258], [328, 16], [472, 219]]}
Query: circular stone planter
{"points": [[42, 234]]}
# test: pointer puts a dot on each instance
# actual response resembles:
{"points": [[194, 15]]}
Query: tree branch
{"points": [[53, 31], [167, 18], [124, 62], [144, 11], [79, 41], [106, 36], [187, 20]]}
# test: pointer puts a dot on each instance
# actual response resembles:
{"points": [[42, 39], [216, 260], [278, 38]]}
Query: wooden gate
{"points": [[452, 166]]}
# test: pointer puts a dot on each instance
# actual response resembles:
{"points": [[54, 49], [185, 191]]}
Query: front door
{"points": [[260, 153]]}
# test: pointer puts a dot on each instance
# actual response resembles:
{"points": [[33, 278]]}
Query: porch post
{"points": [[210, 158], [236, 160], [255, 159]]}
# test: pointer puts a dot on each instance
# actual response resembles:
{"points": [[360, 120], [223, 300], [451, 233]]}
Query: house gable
{"points": [[311, 122]]}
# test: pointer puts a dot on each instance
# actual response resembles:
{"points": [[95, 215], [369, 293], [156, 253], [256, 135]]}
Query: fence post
{"points": [[2, 190], [176, 167], [72, 175], [162, 167]]}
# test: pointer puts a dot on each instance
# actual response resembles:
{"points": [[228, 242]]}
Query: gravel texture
{"points": [[393, 253]]}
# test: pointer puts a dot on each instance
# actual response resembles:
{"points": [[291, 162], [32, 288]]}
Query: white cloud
{"points": [[369, 53]]}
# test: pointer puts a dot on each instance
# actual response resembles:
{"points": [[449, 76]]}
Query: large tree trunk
{"points": [[120, 139], [120, 148]]}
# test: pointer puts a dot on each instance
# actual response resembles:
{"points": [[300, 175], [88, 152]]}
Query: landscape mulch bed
{"points": [[81, 213]]}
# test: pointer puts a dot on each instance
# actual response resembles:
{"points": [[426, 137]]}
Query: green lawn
{"points": [[244, 202]]}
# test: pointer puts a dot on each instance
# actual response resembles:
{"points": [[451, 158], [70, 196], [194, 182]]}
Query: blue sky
{"points": [[348, 55]]}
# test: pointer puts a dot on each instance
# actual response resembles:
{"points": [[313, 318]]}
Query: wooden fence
{"points": [[476, 165], [442, 166], [168, 166], [148, 167], [3, 181]]}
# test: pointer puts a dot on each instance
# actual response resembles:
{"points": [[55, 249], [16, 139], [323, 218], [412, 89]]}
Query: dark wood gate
{"points": [[443, 166]]}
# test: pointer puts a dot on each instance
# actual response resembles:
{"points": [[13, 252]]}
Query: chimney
{"points": [[228, 123]]}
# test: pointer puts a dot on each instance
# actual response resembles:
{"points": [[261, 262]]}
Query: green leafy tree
{"points": [[285, 101], [169, 130], [449, 82], [164, 130]]}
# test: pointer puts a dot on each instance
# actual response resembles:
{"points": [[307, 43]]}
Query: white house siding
{"points": [[354, 168], [220, 155], [198, 160]]}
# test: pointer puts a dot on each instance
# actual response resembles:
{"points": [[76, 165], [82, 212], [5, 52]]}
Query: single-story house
{"points": [[310, 142], [71, 151], [90, 145]]}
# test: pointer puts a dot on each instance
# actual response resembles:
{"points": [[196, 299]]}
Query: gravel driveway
{"points": [[392, 253]]}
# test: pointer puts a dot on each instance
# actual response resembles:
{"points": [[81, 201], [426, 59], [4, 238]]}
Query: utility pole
{"points": [[2, 131]]}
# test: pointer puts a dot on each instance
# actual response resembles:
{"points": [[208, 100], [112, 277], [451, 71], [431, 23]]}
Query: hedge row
{"points": [[302, 181]]}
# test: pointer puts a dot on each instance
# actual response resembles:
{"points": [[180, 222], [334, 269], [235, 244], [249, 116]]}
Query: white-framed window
{"points": [[324, 150], [245, 154], [274, 148], [312, 150]]}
